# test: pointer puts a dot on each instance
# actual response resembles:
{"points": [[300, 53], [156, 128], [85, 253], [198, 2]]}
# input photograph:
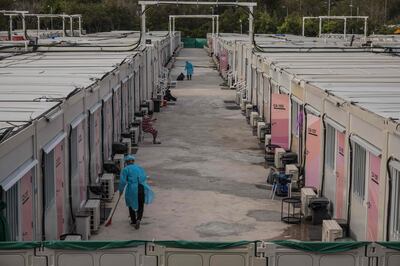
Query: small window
{"points": [[330, 147], [359, 170]]}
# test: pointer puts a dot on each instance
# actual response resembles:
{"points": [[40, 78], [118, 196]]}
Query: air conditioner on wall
{"points": [[82, 222], [93, 206], [107, 182], [128, 143], [260, 130], [249, 109], [243, 103], [291, 169], [278, 156], [331, 231], [254, 119], [135, 132], [119, 160], [306, 195]]}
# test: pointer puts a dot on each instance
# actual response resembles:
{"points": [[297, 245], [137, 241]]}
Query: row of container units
{"points": [[338, 109], [60, 112]]}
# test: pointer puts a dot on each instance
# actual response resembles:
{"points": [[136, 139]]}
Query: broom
{"points": [[109, 219]]}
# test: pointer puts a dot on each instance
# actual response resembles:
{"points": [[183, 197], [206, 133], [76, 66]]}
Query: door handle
{"points": [[368, 204]]}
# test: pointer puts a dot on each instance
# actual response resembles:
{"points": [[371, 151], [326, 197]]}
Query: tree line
{"points": [[271, 16]]}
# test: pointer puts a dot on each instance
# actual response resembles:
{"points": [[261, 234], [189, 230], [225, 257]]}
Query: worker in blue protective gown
{"points": [[189, 70], [138, 192]]}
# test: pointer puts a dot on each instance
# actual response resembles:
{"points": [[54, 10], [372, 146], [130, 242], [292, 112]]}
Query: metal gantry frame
{"points": [[172, 18], [144, 4], [24, 14], [344, 18]]}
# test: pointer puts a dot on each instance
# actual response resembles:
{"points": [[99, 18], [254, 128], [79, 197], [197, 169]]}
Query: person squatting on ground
{"points": [[168, 96], [147, 126], [189, 70], [137, 192]]}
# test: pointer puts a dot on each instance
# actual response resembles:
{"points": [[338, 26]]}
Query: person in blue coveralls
{"points": [[138, 192], [189, 70]]}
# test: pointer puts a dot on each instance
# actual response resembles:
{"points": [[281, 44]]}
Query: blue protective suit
{"points": [[189, 68], [130, 177]]}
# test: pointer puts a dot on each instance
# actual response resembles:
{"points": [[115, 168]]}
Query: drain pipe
{"points": [[323, 154]]}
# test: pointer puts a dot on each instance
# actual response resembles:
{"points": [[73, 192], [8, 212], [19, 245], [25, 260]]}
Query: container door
{"points": [[97, 144], [125, 108], [313, 151], [117, 114], [280, 120], [373, 197], [81, 161], [26, 206], [59, 171], [108, 129], [340, 178]]}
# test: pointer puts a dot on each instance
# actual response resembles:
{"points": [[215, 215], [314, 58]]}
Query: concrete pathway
{"points": [[205, 172]]}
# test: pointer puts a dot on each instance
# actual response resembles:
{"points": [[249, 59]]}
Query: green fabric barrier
{"points": [[92, 245], [202, 245], [19, 245], [392, 245], [194, 42], [320, 247]]}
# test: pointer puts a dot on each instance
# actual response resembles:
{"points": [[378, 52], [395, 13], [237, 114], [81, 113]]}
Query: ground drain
{"points": [[230, 101]]}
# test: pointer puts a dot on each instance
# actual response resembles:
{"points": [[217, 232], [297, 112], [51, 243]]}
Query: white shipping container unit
{"points": [[338, 108], [62, 107]]}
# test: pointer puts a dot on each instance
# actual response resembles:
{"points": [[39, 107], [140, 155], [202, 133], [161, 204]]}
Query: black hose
{"points": [[43, 197], [323, 154], [350, 183], [70, 176], [391, 158]]}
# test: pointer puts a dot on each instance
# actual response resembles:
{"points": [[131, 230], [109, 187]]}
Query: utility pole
{"points": [[386, 11], [329, 7], [351, 7]]}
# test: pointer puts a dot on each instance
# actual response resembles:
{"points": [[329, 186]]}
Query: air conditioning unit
{"points": [[278, 155], [145, 110], [331, 231], [291, 169], [254, 119], [107, 182], [261, 130], [82, 222], [151, 105], [119, 160], [93, 206], [73, 238], [267, 141], [128, 143], [135, 132], [243, 103], [249, 109], [306, 195], [237, 100]]}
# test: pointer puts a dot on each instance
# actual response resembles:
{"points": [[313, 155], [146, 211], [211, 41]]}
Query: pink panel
{"points": [[340, 178], [27, 207], [97, 140], [313, 151], [59, 159], [280, 120], [373, 197], [81, 161]]}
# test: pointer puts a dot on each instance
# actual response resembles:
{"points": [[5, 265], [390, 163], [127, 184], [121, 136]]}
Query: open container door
{"points": [[313, 150], [280, 120]]}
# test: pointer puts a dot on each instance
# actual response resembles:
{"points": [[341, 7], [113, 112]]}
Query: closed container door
{"points": [[81, 161], [117, 115], [280, 120], [97, 147], [26, 207], [313, 151], [59, 171], [373, 197], [340, 178]]}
